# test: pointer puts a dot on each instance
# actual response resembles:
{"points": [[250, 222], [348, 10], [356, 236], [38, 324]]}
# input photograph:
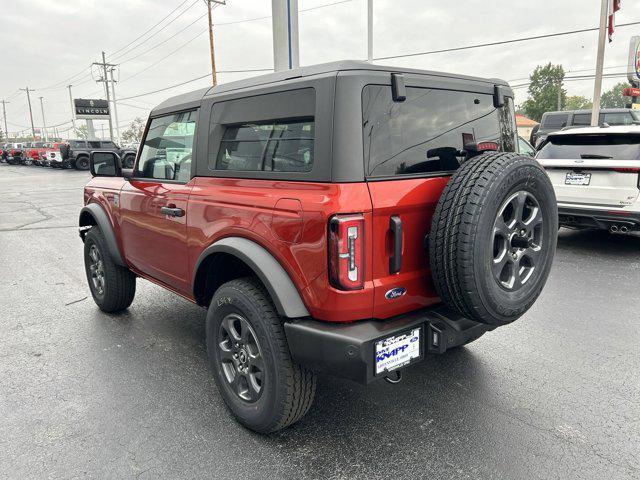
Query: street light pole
{"points": [[286, 46], [44, 122], [370, 31], [602, 38]]}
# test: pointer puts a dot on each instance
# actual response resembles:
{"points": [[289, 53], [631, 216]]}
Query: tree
{"points": [[578, 102], [133, 133], [613, 98], [2, 136], [81, 131], [543, 91]]}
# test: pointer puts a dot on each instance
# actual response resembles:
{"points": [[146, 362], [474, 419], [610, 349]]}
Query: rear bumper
{"points": [[348, 350], [603, 219]]}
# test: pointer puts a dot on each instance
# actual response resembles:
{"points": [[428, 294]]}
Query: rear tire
{"points": [[113, 287], [493, 237], [262, 386], [82, 163]]}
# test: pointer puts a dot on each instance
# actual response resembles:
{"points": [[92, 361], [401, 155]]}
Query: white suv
{"points": [[596, 175]]}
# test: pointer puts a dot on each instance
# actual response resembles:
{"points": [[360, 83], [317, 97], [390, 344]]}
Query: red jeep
{"points": [[344, 218]]}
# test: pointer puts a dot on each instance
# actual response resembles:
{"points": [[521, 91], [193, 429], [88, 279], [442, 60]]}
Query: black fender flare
{"points": [[102, 221], [283, 292]]}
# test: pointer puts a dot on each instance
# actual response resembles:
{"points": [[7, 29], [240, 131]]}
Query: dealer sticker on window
{"points": [[397, 351]]}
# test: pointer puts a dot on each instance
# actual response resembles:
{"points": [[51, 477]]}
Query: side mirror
{"points": [[105, 164]]}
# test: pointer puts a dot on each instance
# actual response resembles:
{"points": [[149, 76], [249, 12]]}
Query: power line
{"points": [[120, 55], [161, 43], [164, 58], [166, 88], [194, 79], [502, 42], [149, 29], [578, 78]]}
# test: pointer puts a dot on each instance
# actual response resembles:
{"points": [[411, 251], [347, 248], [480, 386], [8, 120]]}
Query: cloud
{"points": [[47, 41]]}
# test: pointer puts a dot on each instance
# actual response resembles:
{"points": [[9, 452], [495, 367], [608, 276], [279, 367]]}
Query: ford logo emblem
{"points": [[395, 293]]}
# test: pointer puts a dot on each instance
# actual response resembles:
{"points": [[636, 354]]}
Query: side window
{"points": [[558, 120], [168, 147], [108, 145], [94, 144], [277, 146], [622, 118], [582, 119]]}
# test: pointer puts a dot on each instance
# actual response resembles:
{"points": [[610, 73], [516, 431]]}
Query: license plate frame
{"points": [[577, 178], [398, 351]]}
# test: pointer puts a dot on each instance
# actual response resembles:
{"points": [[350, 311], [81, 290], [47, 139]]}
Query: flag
{"points": [[614, 6]]}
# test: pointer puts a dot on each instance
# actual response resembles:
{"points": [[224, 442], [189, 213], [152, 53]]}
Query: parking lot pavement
{"points": [[86, 394]]}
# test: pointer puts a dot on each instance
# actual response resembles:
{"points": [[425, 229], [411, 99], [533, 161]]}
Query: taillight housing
{"points": [[346, 251]]}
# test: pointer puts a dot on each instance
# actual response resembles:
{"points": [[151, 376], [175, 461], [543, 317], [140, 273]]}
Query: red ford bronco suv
{"points": [[344, 218]]}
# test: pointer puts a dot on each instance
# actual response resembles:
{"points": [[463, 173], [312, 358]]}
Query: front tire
{"points": [[112, 286], [250, 360]]}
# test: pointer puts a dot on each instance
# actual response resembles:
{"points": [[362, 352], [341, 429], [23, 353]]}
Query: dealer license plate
{"points": [[577, 178], [397, 351]]}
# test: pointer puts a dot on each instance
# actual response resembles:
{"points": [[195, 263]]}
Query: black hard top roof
{"points": [[190, 99]]}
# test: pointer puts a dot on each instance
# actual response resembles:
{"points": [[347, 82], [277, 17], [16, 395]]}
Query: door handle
{"points": [[172, 211], [395, 260]]}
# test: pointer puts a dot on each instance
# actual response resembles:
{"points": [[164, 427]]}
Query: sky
{"points": [[48, 44]]}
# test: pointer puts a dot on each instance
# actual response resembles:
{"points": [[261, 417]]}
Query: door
{"points": [[600, 169], [411, 149], [153, 203]]}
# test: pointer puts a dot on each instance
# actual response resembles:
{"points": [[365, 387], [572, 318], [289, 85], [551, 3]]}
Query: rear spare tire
{"points": [[493, 237]]}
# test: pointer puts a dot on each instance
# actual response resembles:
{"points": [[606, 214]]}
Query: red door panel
{"points": [[155, 243], [413, 201]]}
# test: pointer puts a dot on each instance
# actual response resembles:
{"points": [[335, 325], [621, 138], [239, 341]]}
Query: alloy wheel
{"points": [[96, 269], [241, 358], [517, 240]]}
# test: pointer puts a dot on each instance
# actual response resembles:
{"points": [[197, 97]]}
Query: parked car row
{"points": [[567, 119], [67, 154]]}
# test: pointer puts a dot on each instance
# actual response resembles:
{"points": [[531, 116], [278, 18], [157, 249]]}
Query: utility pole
{"points": [[559, 96], [73, 109], [104, 66], [44, 122], [33, 129], [115, 108], [370, 31], [602, 39], [214, 77], [4, 114]]}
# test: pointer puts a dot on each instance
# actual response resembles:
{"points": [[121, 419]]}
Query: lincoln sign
{"points": [[91, 109]]}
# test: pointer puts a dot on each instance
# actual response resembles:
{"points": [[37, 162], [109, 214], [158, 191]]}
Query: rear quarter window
{"points": [[556, 120], [402, 138]]}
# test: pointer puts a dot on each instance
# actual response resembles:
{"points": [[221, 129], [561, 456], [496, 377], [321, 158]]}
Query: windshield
{"points": [[603, 146]]}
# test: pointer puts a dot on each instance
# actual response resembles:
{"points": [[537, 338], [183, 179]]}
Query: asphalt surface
{"points": [[84, 394]]}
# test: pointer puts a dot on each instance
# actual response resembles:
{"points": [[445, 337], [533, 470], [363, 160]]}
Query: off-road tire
{"points": [[82, 163], [462, 235], [119, 282], [288, 389]]}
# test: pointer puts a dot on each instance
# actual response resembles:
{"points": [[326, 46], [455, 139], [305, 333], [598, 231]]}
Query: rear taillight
{"points": [[627, 170], [346, 251]]}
